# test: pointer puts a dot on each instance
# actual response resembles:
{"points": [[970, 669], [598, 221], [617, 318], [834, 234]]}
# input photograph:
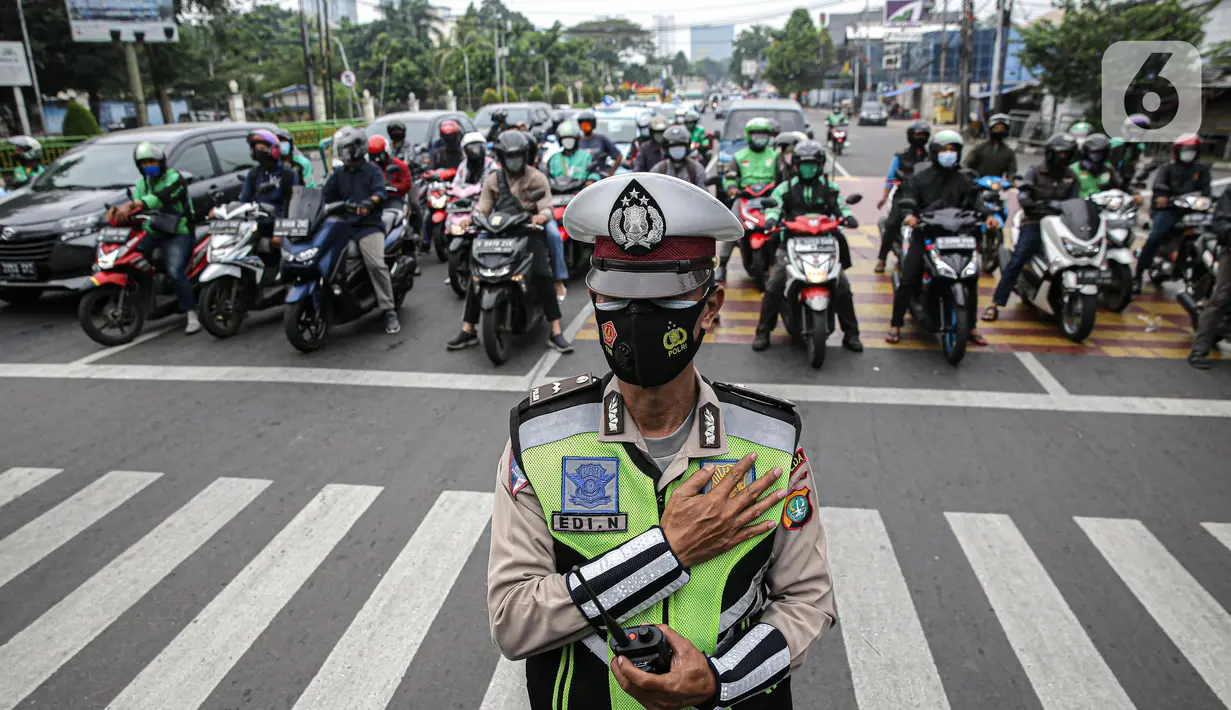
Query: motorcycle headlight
{"points": [[304, 256], [106, 259], [1079, 250], [971, 269], [1202, 203], [941, 267], [1118, 235], [437, 201], [457, 230], [78, 224], [496, 272]]}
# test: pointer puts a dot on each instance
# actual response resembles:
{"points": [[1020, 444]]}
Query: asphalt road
{"points": [[192, 523]]}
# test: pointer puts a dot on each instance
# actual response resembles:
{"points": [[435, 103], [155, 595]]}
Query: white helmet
{"points": [[474, 138]]}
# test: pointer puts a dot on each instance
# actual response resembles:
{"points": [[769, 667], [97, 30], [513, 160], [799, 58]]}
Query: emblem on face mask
{"points": [[613, 414], [675, 339], [709, 426], [623, 354], [609, 333], [636, 222]]}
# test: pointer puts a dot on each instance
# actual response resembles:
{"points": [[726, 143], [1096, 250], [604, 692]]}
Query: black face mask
{"points": [[515, 164], [474, 154], [397, 137], [998, 137], [650, 344]]}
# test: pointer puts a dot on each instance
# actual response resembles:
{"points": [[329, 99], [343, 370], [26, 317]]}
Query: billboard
{"points": [[122, 20], [903, 12], [13, 68]]}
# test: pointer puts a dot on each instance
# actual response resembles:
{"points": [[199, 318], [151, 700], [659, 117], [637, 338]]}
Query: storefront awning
{"points": [[1008, 89], [902, 90]]}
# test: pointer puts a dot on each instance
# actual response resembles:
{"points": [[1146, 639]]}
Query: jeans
{"points": [[1164, 220], [176, 250], [1029, 238], [775, 291], [555, 248], [1217, 308]]}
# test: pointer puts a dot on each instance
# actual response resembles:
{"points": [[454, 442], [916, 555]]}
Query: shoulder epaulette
{"points": [[560, 388], [754, 395]]}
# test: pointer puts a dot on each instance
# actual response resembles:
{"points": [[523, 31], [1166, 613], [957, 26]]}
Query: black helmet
{"points": [[677, 135], [500, 115], [786, 141], [510, 146], [587, 115], [914, 130], [1060, 151], [775, 127], [809, 152], [1095, 149], [396, 130]]}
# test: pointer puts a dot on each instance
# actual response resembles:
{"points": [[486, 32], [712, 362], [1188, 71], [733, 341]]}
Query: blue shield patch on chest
{"points": [[591, 485], [722, 467]]}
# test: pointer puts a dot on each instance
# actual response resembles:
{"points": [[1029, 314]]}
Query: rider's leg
{"points": [[372, 247], [176, 250], [1164, 220], [771, 300], [1028, 238]]}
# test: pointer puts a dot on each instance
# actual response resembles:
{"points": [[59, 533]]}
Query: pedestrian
{"points": [[661, 488]]}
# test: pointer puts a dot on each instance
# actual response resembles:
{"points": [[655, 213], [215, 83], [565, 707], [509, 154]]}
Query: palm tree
{"points": [[463, 40]]}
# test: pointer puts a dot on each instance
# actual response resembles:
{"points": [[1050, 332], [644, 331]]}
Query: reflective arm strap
{"points": [[758, 660], [629, 578]]}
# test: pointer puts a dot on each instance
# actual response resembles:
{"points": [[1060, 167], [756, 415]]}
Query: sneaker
{"points": [[559, 343], [194, 323], [463, 340], [851, 342], [391, 322], [418, 271], [425, 248], [760, 341], [561, 291], [1201, 362], [1137, 286]]}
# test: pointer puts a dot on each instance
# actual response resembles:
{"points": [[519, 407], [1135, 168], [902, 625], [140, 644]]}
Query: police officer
{"points": [[684, 504]]}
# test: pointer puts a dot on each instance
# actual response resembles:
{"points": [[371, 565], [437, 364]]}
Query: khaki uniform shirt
{"points": [[521, 186], [528, 602]]}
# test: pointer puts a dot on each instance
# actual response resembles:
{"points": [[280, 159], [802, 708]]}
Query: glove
{"points": [[772, 223], [852, 222]]}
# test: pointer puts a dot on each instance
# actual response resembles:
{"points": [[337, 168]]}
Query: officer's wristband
{"points": [[757, 661], [629, 578]]}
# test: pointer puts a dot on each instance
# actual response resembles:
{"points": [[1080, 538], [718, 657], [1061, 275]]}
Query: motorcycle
{"points": [[1119, 214], [755, 247], [242, 273], [460, 237], [128, 288], [436, 197], [328, 281], [945, 300], [813, 268], [1063, 278], [837, 139], [576, 254], [1196, 211], [1199, 282], [990, 240], [503, 264]]}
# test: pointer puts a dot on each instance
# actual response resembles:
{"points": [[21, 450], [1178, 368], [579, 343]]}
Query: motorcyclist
{"points": [[507, 188], [655, 151], [937, 185], [756, 163], [1183, 175], [1218, 306], [1054, 181], [809, 192], [678, 164], [163, 190], [599, 145], [836, 116], [398, 146], [1093, 169], [401, 149], [900, 170], [785, 144], [1078, 132], [449, 154], [397, 179], [500, 124], [574, 164], [775, 128], [994, 156], [1127, 149], [294, 158], [266, 150], [557, 117], [643, 135], [29, 154], [475, 168], [679, 116], [702, 140], [363, 184]]}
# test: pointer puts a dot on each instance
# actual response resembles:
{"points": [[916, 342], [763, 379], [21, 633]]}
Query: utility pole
{"points": [[307, 62], [962, 113], [326, 83], [504, 65], [134, 83], [38, 95], [546, 79], [384, 68], [944, 38], [1003, 30]]}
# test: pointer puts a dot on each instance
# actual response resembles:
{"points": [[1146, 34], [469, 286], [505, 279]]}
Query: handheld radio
{"points": [[645, 646]]}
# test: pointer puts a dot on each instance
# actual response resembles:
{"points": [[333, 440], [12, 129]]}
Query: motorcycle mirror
{"points": [[187, 176], [854, 199], [768, 202], [241, 178], [538, 195], [1018, 178], [713, 180]]}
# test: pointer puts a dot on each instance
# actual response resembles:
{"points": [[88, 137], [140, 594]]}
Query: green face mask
{"points": [[809, 171]]}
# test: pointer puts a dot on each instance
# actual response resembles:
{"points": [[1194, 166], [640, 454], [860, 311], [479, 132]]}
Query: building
{"points": [[715, 42], [664, 35], [922, 60], [343, 9]]}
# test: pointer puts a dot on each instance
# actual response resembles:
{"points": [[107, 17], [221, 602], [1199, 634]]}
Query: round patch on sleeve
{"points": [[796, 509]]}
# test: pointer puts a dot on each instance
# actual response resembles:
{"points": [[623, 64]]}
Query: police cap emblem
{"points": [[636, 221]]}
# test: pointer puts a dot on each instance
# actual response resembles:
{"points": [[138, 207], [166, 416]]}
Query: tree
{"points": [[490, 96], [829, 55], [78, 121], [680, 64], [559, 95], [512, 93], [613, 39], [751, 43], [590, 92], [711, 70], [1067, 56], [794, 56], [536, 94]]}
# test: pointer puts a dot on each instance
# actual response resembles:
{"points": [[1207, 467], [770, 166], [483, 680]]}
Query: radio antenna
{"points": [[613, 627]]}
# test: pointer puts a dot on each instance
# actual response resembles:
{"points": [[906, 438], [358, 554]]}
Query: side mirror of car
{"points": [[854, 199], [809, 133], [713, 180], [538, 194], [241, 178], [768, 202], [188, 177]]}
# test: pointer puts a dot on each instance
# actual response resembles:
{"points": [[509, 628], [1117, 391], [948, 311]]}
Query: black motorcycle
{"points": [[504, 264]]}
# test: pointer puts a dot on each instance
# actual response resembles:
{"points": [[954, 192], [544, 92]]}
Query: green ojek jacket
{"points": [[797, 196], [22, 177], [752, 167], [699, 139], [578, 166], [1091, 183], [169, 193], [306, 165]]}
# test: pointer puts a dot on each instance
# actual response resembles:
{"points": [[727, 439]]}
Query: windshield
{"points": [[98, 166], [483, 119], [619, 130], [871, 106], [416, 130], [791, 120]]}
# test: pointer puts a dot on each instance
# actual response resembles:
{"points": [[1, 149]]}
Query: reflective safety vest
{"points": [[596, 497]]}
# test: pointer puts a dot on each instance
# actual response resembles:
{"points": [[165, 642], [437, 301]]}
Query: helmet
{"points": [[681, 115], [758, 125], [691, 117], [587, 116], [998, 119], [286, 140], [568, 130], [1060, 151], [944, 138], [787, 141], [500, 115], [510, 145], [914, 130], [396, 130], [658, 126], [28, 150], [1080, 130], [1185, 141], [774, 127], [261, 135], [378, 150], [350, 142], [677, 135], [808, 153], [643, 119], [451, 133], [474, 138], [1135, 126], [558, 116], [146, 150], [1094, 150]]}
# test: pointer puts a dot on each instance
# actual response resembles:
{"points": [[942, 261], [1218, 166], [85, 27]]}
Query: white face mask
{"points": [[947, 159], [1188, 155], [677, 152]]}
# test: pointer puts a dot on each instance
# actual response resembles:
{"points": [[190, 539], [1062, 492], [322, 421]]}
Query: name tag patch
{"points": [[721, 468], [566, 522]]}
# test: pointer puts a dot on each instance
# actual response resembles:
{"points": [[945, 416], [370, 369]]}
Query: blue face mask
{"points": [[151, 171], [947, 159]]}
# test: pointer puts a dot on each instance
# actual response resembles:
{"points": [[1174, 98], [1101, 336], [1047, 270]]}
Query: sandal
{"points": [[879, 268], [978, 339], [991, 313], [893, 338]]}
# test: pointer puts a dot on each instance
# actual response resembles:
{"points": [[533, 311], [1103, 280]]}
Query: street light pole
{"points": [[307, 64], [38, 94]]}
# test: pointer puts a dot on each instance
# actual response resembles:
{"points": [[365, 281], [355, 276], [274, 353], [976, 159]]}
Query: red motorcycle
{"points": [[436, 195], [837, 139], [576, 254], [755, 248], [128, 287]]}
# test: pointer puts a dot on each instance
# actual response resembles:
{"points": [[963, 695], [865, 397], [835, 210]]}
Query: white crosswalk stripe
{"points": [[892, 661]]}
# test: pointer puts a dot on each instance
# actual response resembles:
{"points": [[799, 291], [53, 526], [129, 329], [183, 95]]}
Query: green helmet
{"points": [[567, 128], [146, 150], [757, 125], [947, 137], [1080, 130]]}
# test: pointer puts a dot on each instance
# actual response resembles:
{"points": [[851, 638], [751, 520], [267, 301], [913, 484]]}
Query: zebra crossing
{"points": [[891, 660]]}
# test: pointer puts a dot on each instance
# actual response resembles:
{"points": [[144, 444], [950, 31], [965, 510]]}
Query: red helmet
{"points": [[1190, 140], [449, 127], [378, 150]]}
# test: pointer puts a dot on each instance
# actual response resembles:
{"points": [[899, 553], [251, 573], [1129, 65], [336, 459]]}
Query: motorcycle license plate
{"points": [[291, 228], [1097, 277], [222, 226], [954, 242], [494, 246], [113, 235], [812, 245], [18, 270], [1196, 218]]}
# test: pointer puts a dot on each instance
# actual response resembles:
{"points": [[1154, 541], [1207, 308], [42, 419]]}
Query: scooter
{"points": [[1199, 282], [436, 196], [1119, 216], [460, 237], [576, 254], [1196, 211], [242, 273], [127, 287], [813, 269], [328, 281], [750, 208], [945, 300], [503, 265], [837, 139], [991, 239], [1063, 278]]}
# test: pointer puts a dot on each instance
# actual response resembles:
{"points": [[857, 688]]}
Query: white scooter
{"points": [[242, 271], [1119, 217]]}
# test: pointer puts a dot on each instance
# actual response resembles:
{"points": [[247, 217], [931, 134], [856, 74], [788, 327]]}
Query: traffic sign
{"points": [[577, 84], [348, 79]]}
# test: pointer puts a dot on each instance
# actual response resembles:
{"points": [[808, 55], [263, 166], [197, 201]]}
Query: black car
{"points": [[422, 129], [48, 230], [535, 114]]}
